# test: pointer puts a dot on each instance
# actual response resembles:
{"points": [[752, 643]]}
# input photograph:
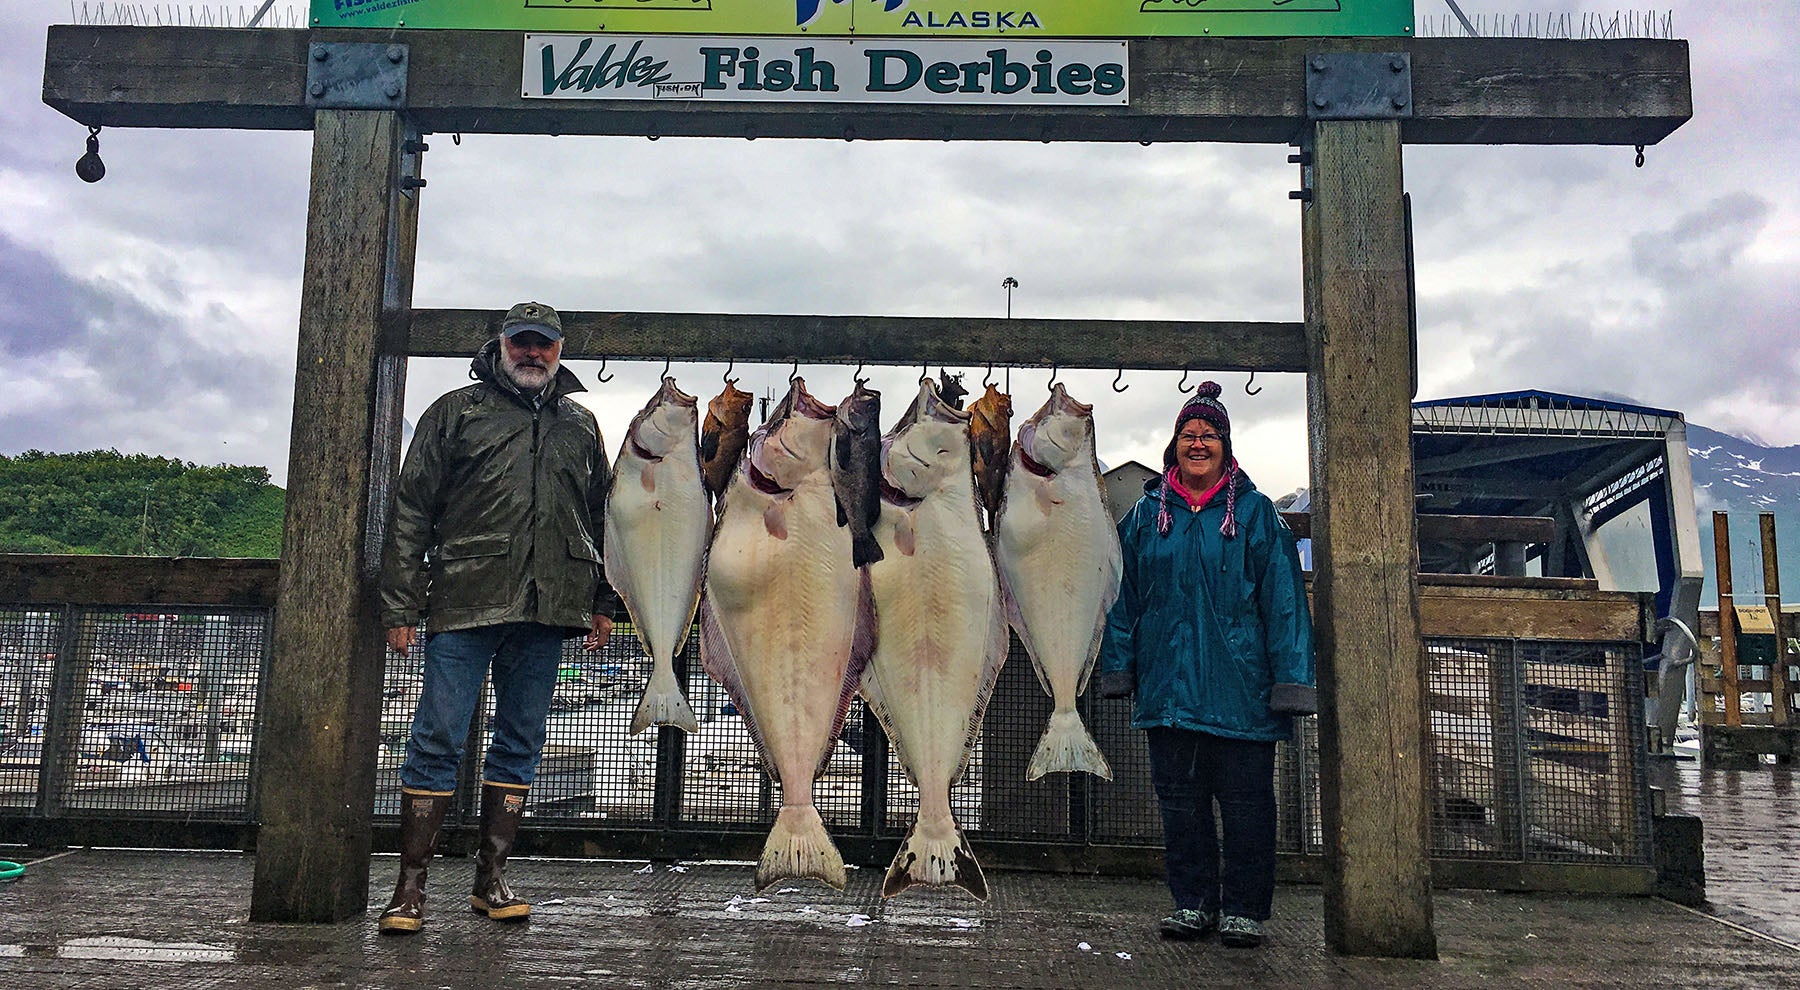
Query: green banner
{"points": [[887, 18]]}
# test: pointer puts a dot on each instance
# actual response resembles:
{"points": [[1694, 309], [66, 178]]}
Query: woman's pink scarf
{"points": [[1227, 481]]}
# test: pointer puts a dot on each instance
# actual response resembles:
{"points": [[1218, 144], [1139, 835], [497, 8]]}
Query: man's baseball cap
{"points": [[534, 317]]}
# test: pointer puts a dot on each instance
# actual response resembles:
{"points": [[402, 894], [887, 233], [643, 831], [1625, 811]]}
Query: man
{"points": [[495, 547]]}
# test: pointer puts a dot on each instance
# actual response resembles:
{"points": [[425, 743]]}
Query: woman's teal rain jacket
{"points": [[1207, 629]]}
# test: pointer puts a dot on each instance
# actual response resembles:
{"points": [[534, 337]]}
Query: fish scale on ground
{"points": [[786, 622], [657, 527], [1060, 563], [941, 632]]}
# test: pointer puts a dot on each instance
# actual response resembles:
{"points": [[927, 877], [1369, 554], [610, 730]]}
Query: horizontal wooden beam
{"points": [[1497, 612], [1444, 528], [1452, 605], [1554, 587], [66, 579], [1465, 91], [1168, 345]]}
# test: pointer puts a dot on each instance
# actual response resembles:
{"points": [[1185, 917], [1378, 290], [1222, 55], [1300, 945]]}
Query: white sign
{"points": [[879, 70]]}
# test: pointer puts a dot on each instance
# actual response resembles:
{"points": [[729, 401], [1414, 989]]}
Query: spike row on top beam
{"points": [[1242, 90]]}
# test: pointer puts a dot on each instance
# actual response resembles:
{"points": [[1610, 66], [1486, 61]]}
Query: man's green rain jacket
{"points": [[497, 513]]}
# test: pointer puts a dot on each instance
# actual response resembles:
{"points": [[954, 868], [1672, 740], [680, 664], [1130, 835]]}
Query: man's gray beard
{"points": [[516, 374]]}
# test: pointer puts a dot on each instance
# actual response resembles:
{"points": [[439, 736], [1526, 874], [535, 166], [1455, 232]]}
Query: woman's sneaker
{"points": [[1240, 933], [1188, 924]]}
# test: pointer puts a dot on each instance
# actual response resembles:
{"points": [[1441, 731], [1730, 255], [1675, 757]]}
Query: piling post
{"points": [[1778, 670], [326, 650], [1728, 663], [1372, 719]]}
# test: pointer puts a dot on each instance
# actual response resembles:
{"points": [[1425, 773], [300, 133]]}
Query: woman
{"points": [[1211, 631]]}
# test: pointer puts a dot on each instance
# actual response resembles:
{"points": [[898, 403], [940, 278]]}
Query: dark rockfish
{"points": [[723, 436], [950, 388], [990, 435], [856, 470]]}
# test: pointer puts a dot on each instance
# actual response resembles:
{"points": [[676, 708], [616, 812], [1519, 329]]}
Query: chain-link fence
{"points": [[121, 713], [1535, 747]]}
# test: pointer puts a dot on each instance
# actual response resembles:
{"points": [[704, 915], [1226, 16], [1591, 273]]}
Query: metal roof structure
{"points": [[1581, 461]]}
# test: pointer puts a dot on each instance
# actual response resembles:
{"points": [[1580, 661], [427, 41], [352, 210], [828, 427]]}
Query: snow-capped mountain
{"points": [[1746, 478]]}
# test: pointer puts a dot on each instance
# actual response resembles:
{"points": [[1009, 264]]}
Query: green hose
{"points": [[10, 870]]}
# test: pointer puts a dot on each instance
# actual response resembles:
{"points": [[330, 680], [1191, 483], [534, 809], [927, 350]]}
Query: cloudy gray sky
{"points": [[156, 310]]}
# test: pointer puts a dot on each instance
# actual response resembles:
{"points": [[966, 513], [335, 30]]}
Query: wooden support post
{"points": [[326, 655], [63, 717], [1372, 721], [1509, 558], [1728, 664], [1778, 670]]}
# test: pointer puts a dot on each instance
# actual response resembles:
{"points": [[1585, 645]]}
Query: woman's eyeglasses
{"points": [[1200, 438]]}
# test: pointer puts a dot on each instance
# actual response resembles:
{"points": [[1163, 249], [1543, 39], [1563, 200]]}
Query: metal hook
{"points": [[1182, 386], [1247, 389], [795, 373], [603, 376], [1009, 379], [1116, 378], [925, 372], [987, 377], [665, 371], [726, 377], [1051, 384], [857, 378]]}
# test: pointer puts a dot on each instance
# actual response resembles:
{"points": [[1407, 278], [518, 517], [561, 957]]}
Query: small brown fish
{"points": [[722, 438], [990, 434]]}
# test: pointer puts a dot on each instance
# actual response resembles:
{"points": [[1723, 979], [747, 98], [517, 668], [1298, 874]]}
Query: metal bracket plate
{"points": [[1359, 86], [355, 76]]}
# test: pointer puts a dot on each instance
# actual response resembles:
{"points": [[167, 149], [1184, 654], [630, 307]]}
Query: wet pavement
{"points": [[1752, 821], [95, 918]]}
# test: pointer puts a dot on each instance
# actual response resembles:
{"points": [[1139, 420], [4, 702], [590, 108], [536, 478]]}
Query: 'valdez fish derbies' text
{"points": [[661, 68]]}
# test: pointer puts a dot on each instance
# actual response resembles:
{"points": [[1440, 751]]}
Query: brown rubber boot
{"points": [[501, 807], [421, 813]]}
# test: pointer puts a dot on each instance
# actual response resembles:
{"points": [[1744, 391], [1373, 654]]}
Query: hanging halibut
{"points": [[990, 433], [940, 632], [1060, 564], [785, 622], [658, 523], [723, 436]]}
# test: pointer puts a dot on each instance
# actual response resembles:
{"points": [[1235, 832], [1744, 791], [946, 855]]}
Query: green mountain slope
{"points": [[102, 501]]}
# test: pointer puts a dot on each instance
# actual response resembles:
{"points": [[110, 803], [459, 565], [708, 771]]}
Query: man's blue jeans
{"points": [[1191, 770], [524, 657]]}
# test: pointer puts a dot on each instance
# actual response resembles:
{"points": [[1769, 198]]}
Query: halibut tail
{"points": [[799, 847], [937, 854], [1066, 748], [663, 704]]}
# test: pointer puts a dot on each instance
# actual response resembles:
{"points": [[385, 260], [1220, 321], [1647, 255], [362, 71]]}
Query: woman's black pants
{"points": [[1191, 770]]}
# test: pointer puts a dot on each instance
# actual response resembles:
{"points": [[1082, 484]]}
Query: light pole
{"points": [[1009, 283]]}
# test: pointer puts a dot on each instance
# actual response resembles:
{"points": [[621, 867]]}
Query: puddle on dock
{"points": [[117, 949]]}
